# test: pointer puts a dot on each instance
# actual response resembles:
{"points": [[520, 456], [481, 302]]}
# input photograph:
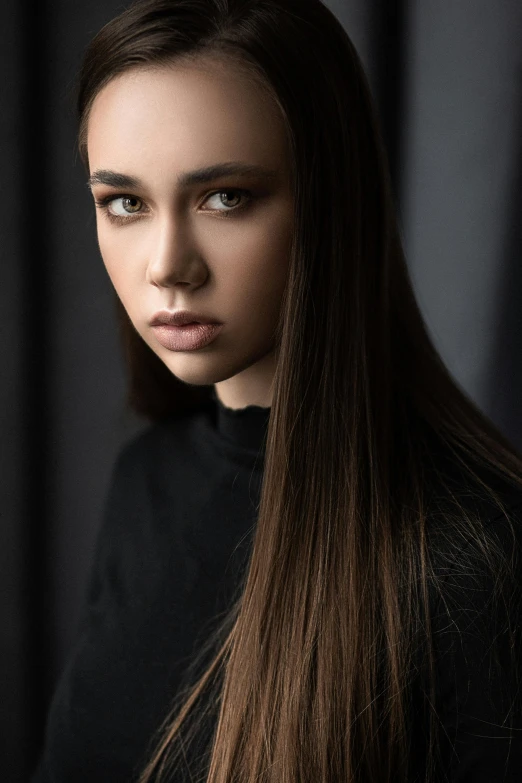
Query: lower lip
{"points": [[186, 338]]}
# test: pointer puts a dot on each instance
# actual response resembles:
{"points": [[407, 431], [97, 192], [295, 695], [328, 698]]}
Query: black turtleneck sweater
{"points": [[176, 532]]}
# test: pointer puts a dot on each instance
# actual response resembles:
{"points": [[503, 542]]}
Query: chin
{"points": [[200, 368], [195, 368]]}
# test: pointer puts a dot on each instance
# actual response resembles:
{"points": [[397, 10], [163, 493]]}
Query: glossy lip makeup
{"points": [[189, 337]]}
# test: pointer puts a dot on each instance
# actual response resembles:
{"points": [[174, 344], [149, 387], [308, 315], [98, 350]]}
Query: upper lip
{"points": [[179, 318]]}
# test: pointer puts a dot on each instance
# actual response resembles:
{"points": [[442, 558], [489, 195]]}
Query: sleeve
{"points": [[479, 691], [106, 583]]}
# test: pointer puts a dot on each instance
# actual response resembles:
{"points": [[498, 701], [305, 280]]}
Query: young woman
{"points": [[309, 566]]}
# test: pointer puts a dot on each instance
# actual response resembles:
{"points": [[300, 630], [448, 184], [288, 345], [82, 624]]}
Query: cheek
{"points": [[275, 259], [263, 252], [117, 255], [257, 278]]}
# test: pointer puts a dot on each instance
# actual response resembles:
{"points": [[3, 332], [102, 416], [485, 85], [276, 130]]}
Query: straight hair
{"points": [[310, 675]]}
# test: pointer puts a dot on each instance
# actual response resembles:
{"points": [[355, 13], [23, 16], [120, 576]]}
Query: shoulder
{"points": [[140, 461], [477, 641], [471, 527], [467, 503], [474, 526], [479, 572], [474, 537], [477, 609]]}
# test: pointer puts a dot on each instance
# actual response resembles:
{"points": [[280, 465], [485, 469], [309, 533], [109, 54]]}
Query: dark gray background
{"points": [[446, 77]]}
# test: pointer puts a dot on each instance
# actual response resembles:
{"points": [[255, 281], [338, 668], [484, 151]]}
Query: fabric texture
{"points": [[171, 549]]}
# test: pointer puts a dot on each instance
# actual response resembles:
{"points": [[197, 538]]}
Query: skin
{"points": [[188, 248]]}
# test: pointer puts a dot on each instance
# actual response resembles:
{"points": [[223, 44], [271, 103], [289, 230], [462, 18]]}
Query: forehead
{"points": [[154, 120]]}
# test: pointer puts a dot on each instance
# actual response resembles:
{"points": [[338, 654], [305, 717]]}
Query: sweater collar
{"points": [[245, 427]]}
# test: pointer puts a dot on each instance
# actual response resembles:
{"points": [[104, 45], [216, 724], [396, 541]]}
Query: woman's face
{"points": [[218, 247]]}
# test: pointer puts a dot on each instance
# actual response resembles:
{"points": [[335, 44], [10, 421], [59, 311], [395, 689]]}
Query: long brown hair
{"points": [[312, 670]]}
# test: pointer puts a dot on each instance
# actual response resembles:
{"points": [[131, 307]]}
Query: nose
{"points": [[173, 254]]}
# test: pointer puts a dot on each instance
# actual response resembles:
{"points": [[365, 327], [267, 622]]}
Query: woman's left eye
{"points": [[131, 202], [230, 195]]}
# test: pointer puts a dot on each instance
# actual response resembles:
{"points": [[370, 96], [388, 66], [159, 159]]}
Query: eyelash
{"points": [[103, 204]]}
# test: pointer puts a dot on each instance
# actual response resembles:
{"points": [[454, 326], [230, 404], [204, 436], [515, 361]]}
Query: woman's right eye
{"points": [[129, 205]]}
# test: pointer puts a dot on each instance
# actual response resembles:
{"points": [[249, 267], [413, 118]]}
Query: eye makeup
{"points": [[104, 203]]}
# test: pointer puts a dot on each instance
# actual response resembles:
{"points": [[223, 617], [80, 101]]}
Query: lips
{"points": [[189, 337], [180, 318]]}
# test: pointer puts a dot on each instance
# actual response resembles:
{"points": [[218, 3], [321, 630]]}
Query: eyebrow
{"points": [[196, 177]]}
